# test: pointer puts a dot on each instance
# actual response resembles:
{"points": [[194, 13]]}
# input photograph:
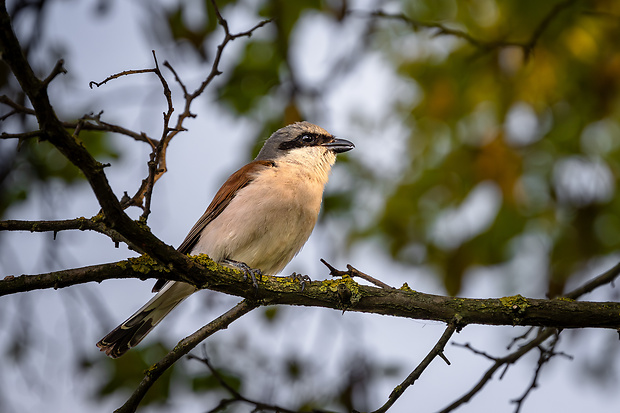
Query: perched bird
{"points": [[258, 221]]}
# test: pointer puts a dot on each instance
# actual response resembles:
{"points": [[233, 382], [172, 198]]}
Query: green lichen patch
{"points": [[346, 281], [405, 287], [515, 303], [143, 264], [205, 261]]}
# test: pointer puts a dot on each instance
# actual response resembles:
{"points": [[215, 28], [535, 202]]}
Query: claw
{"points": [[247, 270], [301, 278]]}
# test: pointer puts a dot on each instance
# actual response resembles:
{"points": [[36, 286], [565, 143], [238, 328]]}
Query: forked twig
{"points": [[353, 272]]}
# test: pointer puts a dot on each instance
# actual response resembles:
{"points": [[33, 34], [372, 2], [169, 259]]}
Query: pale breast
{"points": [[267, 222]]}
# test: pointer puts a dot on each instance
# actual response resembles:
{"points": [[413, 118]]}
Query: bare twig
{"points": [[436, 351], [353, 272], [182, 348], [58, 69], [120, 74], [84, 123]]}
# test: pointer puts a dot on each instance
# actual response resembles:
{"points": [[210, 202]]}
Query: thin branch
{"points": [[84, 123], [228, 37], [605, 278], [99, 125], [83, 224], [475, 351], [157, 162], [23, 135], [182, 348], [120, 74], [436, 351]]}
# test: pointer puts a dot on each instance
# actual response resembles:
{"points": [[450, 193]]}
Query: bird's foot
{"points": [[301, 278], [247, 271]]}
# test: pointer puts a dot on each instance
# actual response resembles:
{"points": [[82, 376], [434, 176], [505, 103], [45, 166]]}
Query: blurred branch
{"points": [[236, 396], [499, 362], [437, 350], [342, 294], [546, 353], [485, 45], [182, 348]]}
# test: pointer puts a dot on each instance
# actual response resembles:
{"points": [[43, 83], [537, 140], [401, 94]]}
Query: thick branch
{"points": [[346, 294]]}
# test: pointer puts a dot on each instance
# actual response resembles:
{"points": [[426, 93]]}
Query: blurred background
{"points": [[486, 164]]}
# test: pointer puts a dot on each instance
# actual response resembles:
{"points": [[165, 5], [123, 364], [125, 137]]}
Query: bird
{"points": [[257, 222]]}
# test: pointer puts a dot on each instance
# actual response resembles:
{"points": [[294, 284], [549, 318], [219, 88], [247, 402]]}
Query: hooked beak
{"points": [[339, 145]]}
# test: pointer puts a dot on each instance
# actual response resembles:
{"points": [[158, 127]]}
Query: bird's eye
{"points": [[307, 138]]}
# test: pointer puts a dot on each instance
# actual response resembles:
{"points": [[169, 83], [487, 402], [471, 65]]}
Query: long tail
{"points": [[136, 327]]}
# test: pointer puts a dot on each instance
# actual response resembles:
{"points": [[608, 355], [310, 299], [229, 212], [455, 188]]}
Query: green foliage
{"points": [[124, 373], [209, 382]]}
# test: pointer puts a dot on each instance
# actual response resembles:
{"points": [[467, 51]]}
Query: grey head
{"points": [[300, 135]]}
